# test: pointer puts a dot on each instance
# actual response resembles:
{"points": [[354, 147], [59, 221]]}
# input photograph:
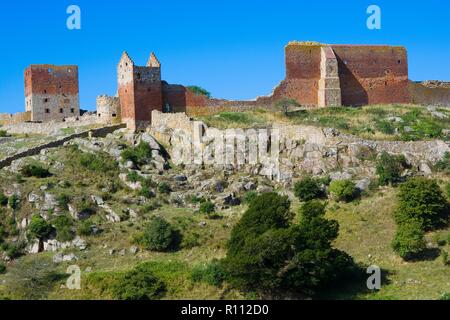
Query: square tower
{"points": [[140, 91], [51, 92]]}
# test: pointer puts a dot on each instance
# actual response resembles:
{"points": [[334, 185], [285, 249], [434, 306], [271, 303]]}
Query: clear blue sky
{"points": [[233, 48]]}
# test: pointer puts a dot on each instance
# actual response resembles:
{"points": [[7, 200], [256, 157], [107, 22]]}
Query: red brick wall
{"points": [[372, 74], [49, 79], [302, 74], [147, 97], [126, 95]]}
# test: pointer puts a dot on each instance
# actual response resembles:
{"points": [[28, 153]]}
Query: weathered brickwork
{"points": [[51, 92], [20, 117], [140, 91]]}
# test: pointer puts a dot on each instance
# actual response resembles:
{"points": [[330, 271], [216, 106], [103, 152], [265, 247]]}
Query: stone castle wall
{"points": [[108, 109], [436, 93], [20, 117]]}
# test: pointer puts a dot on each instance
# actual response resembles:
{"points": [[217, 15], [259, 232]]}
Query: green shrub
{"points": [[85, 228], [250, 196], [444, 257], [447, 190], [207, 207], [138, 284], [308, 189], [139, 155], [211, 273], [422, 199], [39, 228], [98, 162], [199, 90], [159, 235], [3, 200], [268, 252], [13, 202], [13, 250], [164, 188], [63, 225], [35, 170], [409, 240], [385, 126], [445, 296], [63, 201], [3, 134], [195, 200], [2, 268], [312, 209], [444, 164], [389, 168], [344, 190], [133, 176]]}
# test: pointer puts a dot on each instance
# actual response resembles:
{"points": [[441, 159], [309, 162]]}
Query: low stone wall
{"points": [[436, 93], [8, 119], [100, 132], [49, 128]]}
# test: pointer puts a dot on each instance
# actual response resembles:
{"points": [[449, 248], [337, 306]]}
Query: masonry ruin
{"points": [[51, 92]]}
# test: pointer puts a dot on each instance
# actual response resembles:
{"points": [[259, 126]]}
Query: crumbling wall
{"points": [[108, 109], [20, 117], [435, 93], [51, 92]]}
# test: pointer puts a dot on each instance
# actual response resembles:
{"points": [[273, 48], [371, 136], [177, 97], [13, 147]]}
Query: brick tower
{"points": [[51, 92], [140, 91]]}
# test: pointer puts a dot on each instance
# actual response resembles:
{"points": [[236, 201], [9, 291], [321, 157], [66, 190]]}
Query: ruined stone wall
{"points": [[108, 109], [7, 119], [435, 93], [302, 74], [51, 92], [372, 74]]}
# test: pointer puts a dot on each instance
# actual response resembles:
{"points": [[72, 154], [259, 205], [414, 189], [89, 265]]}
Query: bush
{"points": [[409, 240], [344, 190], [444, 164], [138, 284], [2, 268], [199, 90], [444, 257], [63, 201], [164, 188], [63, 225], [211, 273], [445, 296], [35, 170], [13, 202], [207, 207], [250, 196], [422, 199], [39, 228], [139, 155], [312, 209], [3, 134], [159, 235], [308, 189], [389, 168], [85, 228], [268, 252], [3, 200], [98, 162]]}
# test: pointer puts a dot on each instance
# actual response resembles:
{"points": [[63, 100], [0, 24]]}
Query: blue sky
{"points": [[233, 48]]}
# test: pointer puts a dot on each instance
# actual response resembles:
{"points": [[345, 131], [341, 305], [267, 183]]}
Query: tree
{"points": [[422, 200], [344, 190], [267, 251], [308, 189], [409, 240], [159, 235], [39, 228], [200, 91]]}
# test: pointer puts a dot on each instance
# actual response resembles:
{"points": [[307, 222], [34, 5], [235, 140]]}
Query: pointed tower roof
{"points": [[153, 61], [126, 57]]}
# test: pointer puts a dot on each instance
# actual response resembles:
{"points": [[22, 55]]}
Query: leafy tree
{"points": [[159, 235], [344, 190], [422, 200], [199, 90], [389, 168], [308, 189], [268, 252], [39, 228], [409, 240], [139, 284]]}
